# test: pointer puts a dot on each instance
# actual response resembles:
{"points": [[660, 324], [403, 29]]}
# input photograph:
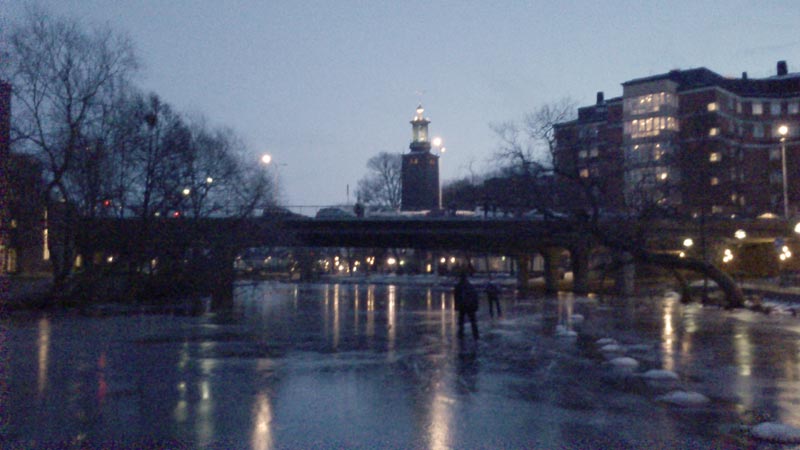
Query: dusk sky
{"points": [[325, 85]]}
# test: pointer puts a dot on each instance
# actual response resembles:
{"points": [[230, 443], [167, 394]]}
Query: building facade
{"points": [[691, 141], [420, 169]]}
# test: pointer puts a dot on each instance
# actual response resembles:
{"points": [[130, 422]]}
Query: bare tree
{"points": [[529, 146], [64, 76], [382, 186]]}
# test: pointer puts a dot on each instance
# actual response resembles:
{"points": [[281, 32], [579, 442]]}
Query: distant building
{"points": [[5, 119], [690, 140], [22, 242], [420, 169]]}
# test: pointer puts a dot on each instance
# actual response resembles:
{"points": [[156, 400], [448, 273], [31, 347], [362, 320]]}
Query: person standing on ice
{"points": [[493, 295], [466, 303]]}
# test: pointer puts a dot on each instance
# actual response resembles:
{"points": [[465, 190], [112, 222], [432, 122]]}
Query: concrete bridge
{"points": [[519, 238]]}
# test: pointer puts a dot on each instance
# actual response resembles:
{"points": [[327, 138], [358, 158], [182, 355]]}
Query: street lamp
{"points": [[783, 130], [266, 158], [437, 144]]}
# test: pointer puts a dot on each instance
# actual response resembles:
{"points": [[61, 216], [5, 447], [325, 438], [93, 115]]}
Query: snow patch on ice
{"points": [[660, 375], [624, 362], [611, 348], [606, 341], [684, 398], [776, 432], [562, 331]]}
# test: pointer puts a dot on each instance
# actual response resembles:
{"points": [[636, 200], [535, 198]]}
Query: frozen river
{"points": [[366, 366]]}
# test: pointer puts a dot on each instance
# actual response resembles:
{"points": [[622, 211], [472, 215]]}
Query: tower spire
{"points": [[419, 132]]}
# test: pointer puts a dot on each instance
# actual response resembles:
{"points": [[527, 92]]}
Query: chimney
{"points": [[744, 75], [782, 69], [600, 99]]}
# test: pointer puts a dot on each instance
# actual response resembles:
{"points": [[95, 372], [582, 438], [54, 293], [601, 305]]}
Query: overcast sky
{"points": [[325, 85]]}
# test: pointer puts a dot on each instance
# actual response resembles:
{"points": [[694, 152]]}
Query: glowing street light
{"points": [[186, 191], [740, 234], [783, 130], [266, 158], [688, 242]]}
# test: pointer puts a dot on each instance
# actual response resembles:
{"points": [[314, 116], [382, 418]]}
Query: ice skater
{"points": [[493, 295], [466, 303]]}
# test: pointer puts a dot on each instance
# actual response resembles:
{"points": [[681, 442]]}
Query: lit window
{"points": [[714, 131], [775, 108], [714, 181], [758, 109], [794, 108], [712, 106], [715, 157], [758, 130], [582, 154], [733, 197], [594, 153], [774, 154], [716, 209], [584, 173], [739, 107]]}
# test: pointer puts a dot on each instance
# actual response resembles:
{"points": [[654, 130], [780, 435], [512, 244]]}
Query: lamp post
{"points": [[437, 144], [783, 130]]}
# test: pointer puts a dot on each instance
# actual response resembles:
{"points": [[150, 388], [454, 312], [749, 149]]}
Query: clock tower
{"points": [[420, 171]]}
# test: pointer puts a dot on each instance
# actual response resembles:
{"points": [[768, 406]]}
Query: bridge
{"points": [[519, 238]]}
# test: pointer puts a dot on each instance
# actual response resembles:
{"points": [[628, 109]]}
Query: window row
{"points": [[758, 108], [651, 126], [649, 103], [643, 153]]}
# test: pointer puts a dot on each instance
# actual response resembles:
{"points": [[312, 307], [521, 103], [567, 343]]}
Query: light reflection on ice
{"points": [[441, 416], [262, 426], [43, 345], [667, 336], [391, 319]]}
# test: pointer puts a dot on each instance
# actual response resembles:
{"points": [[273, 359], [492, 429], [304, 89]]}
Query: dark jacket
{"points": [[466, 296]]}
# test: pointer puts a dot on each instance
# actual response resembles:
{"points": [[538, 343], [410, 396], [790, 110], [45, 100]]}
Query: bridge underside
{"points": [[517, 238]]}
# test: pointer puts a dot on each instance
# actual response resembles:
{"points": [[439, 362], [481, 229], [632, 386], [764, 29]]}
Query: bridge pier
{"points": [[221, 275], [625, 282], [523, 274], [579, 255], [552, 258]]}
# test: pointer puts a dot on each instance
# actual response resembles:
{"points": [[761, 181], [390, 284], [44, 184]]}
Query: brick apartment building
{"points": [[21, 206], [690, 140]]}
